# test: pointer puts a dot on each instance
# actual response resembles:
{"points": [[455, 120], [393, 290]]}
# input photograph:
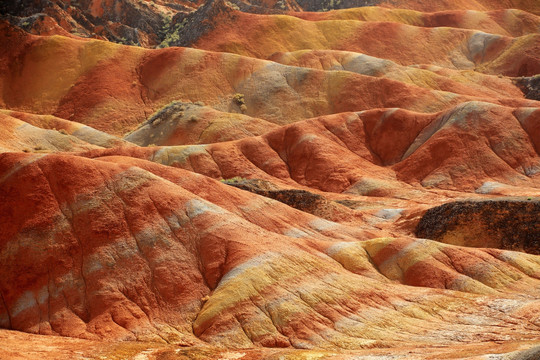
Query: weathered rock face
{"points": [[503, 224], [187, 28], [130, 22]]}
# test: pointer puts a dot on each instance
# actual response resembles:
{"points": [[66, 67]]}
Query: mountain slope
{"points": [[172, 273], [293, 183]]}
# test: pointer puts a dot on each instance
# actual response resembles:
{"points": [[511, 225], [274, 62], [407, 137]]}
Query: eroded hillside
{"points": [[258, 180]]}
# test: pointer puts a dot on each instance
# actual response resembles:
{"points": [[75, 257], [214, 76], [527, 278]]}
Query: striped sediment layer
{"points": [[93, 71], [379, 152], [162, 254], [351, 124]]}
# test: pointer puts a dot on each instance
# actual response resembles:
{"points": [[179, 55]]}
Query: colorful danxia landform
{"points": [[349, 179]]}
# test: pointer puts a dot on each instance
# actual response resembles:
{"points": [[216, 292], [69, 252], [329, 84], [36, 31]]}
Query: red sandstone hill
{"points": [[142, 251], [352, 184]]}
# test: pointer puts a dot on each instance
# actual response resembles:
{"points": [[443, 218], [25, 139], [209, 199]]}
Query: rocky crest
{"points": [[123, 21]]}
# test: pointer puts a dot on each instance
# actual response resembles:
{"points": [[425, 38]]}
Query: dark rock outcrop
{"points": [[122, 21], [530, 86], [504, 224], [299, 199], [187, 28]]}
